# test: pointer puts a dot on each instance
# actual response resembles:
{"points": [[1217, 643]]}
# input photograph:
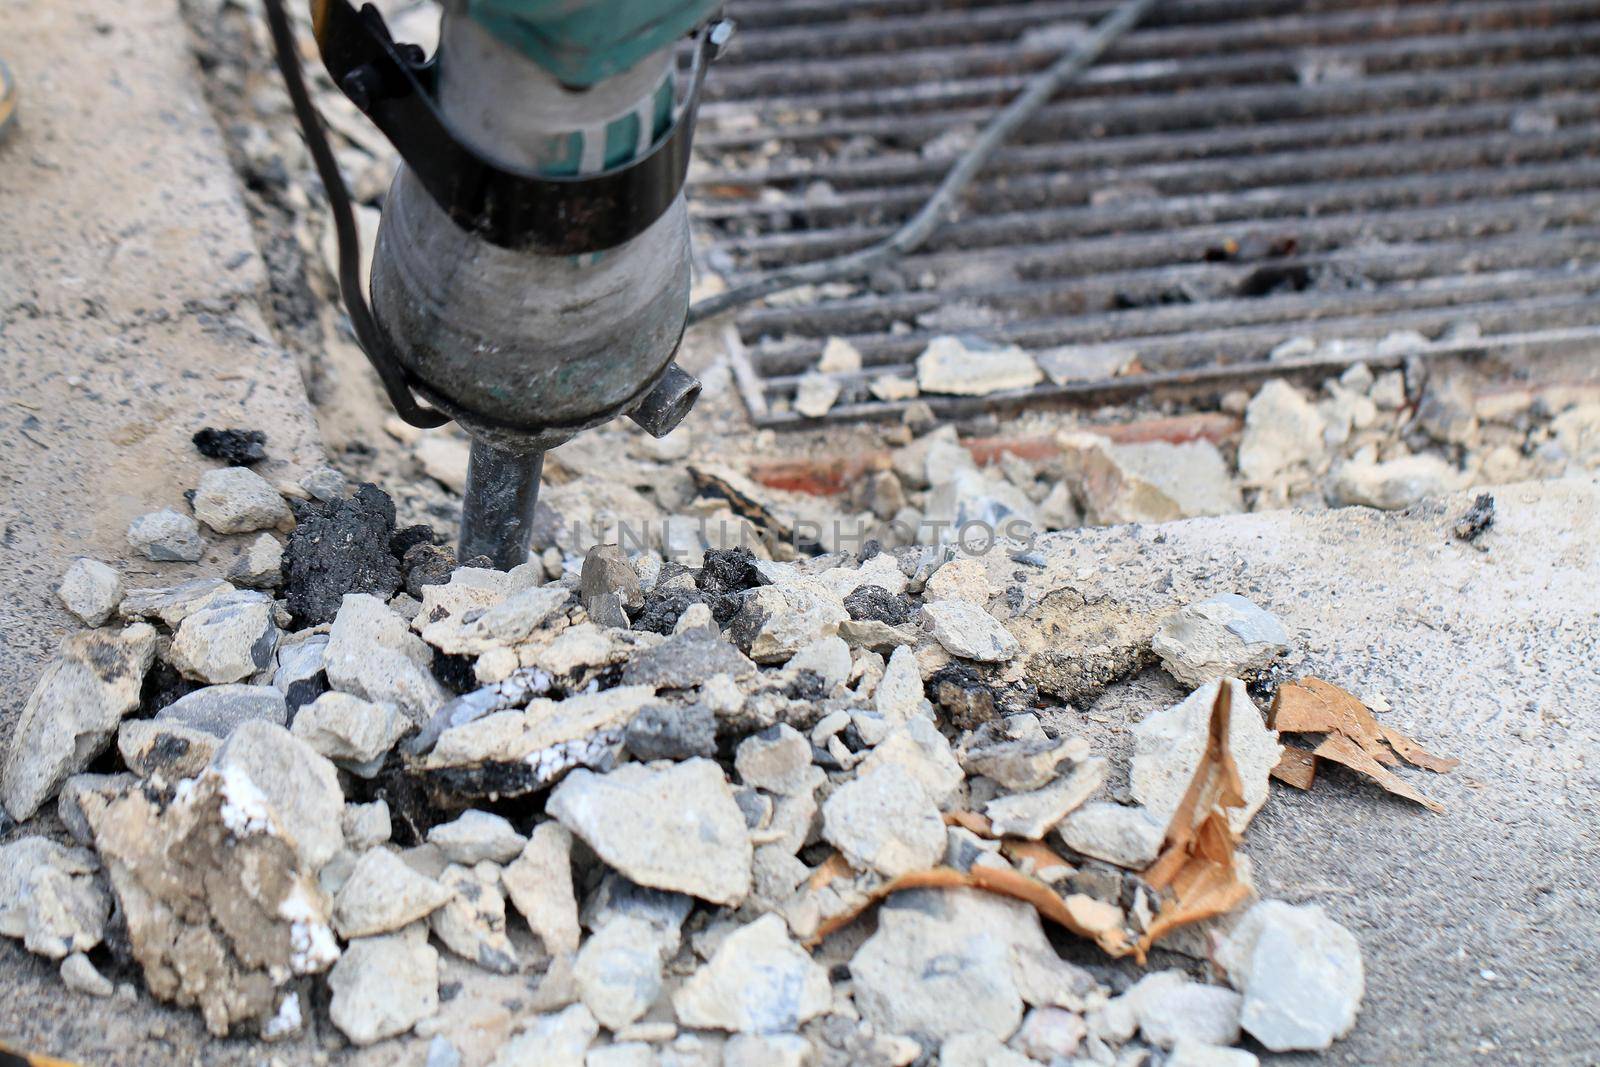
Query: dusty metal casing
{"points": [[523, 348]]}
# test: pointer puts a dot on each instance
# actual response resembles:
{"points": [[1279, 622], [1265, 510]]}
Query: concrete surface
{"points": [[128, 320], [1478, 926]]}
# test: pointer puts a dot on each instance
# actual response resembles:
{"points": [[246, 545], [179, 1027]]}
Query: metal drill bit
{"points": [[497, 512]]}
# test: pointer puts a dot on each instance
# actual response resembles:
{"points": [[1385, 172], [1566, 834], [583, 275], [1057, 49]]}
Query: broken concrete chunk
{"points": [[1049, 1034], [884, 822], [511, 621], [1300, 972], [758, 982], [166, 535], [50, 897], [686, 660], [672, 731], [69, 802], [555, 1040], [174, 751], [676, 827], [1282, 435], [234, 500], [472, 923], [1169, 1006], [828, 659], [72, 712], [776, 621], [219, 709], [778, 759], [971, 367], [323, 483], [966, 630], [618, 971], [942, 963], [373, 653], [899, 695], [260, 565], [301, 787], [476, 836], [299, 676], [384, 894], [1169, 744], [922, 751], [1032, 815], [228, 640], [173, 603], [90, 590], [1152, 481], [980, 1050], [444, 457], [607, 569], [959, 579], [348, 729], [1022, 765], [366, 826], [1187, 1052], [766, 1050], [383, 986], [221, 908], [78, 973], [816, 394], [1395, 484], [1225, 636], [1127, 837], [540, 884]]}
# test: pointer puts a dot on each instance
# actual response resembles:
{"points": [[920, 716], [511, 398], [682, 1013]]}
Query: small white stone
{"points": [[884, 821], [90, 590], [1225, 636], [540, 885], [166, 535], [778, 759], [234, 500], [816, 394], [345, 727], [79, 974], [1301, 974], [953, 366], [366, 825], [228, 640], [260, 565], [1128, 837], [966, 630], [555, 1040], [1189, 1053], [1032, 815], [758, 981], [382, 894], [478, 835], [618, 971], [383, 986]]}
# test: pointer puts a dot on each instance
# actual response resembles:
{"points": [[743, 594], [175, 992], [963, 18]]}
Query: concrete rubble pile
{"points": [[749, 812]]}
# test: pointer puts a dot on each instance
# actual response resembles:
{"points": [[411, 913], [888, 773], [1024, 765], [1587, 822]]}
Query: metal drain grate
{"points": [[1231, 175]]}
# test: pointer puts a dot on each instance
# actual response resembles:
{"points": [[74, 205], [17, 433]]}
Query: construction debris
{"points": [[505, 778]]}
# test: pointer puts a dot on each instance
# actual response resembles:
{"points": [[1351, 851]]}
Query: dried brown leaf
{"points": [[1297, 767], [1416, 755], [1196, 873], [1340, 749]]}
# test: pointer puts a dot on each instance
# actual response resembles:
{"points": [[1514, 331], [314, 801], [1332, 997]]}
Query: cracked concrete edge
{"points": [[129, 314]]}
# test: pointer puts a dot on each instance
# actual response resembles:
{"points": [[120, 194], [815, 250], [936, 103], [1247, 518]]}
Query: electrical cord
{"points": [[940, 205], [368, 333]]}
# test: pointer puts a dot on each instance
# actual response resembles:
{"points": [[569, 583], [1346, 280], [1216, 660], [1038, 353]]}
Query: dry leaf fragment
{"points": [[1417, 756], [1354, 738], [1297, 767], [1340, 749], [1196, 873]]}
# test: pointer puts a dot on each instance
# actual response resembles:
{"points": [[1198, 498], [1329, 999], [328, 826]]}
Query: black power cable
{"points": [[369, 334]]}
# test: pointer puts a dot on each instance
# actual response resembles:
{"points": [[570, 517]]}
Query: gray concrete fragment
{"points": [[234, 500], [618, 971], [758, 981], [219, 709], [1300, 972], [373, 653], [1224, 636], [539, 883], [172, 750], [348, 729], [475, 836], [885, 822], [384, 894], [675, 828], [301, 786], [78, 974], [1170, 1007], [259, 565], [50, 897], [1034, 814], [1128, 837], [228, 640], [778, 759], [90, 590], [383, 986], [966, 630], [1168, 746], [72, 712], [166, 535], [173, 603], [472, 923]]}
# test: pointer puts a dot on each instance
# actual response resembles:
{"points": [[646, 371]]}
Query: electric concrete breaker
{"points": [[531, 276]]}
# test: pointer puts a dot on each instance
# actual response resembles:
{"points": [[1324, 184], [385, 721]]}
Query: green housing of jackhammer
{"points": [[583, 42]]}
